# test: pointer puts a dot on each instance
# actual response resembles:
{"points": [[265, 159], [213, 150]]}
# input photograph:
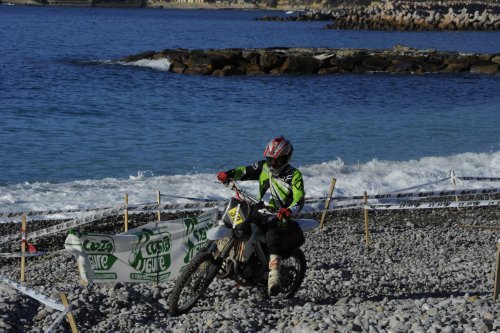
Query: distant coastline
{"points": [[159, 4]]}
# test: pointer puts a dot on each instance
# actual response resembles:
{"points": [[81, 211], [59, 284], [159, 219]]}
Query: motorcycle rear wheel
{"points": [[292, 272], [192, 283]]}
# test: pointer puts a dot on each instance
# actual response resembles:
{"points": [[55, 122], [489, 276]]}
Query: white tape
{"points": [[33, 294], [67, 225], [177, 206], [414, 195], [46, 212], [433, 205], [20, 254], [488, 179], [57, 320]]}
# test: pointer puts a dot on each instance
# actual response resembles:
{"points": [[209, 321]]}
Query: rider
{"points": [[287, 195]]}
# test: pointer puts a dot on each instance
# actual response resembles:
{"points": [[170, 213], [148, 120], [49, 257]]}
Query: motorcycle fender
{"points": [[306, 224], [219, 232]]}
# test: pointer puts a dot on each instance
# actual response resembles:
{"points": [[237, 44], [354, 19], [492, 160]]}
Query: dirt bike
{"points": [[236, 249]]}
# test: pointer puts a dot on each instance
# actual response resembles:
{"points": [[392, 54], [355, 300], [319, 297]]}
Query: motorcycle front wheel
{"points": [[293, 270], [192, 283]]}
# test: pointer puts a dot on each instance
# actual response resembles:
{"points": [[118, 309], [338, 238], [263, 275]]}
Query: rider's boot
{"points": [[274, 275]]}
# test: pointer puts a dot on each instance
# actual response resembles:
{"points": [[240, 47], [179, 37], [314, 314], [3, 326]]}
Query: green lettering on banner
{"points": [[105, 276], [150, 255], [148, 277], [195, 237], [101, 262], [99, 249]]}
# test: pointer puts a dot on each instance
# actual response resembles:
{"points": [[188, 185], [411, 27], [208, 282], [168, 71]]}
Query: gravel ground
{"points": [[422, 273]]}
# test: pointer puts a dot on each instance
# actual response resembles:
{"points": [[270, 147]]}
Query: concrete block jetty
{"points": [[399, 59], [407, 16]]}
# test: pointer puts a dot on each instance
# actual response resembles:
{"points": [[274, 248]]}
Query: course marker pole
{"points": [[327, 202], [126, 212], [158, 200], [69, 316], [454, 182], [367, 229], [496, 289], [23, 246]]}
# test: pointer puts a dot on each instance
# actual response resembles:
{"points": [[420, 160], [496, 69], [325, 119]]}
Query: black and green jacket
{"points": [[287, 188]]}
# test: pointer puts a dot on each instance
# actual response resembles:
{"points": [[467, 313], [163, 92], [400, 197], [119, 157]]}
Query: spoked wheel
{"points": [[292, 271], [192, 283]]}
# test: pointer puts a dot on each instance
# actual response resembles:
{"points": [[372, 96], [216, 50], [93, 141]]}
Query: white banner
{"points": [[434, 205], [154, 252]]}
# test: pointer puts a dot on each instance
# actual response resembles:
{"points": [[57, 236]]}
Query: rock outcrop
{"points": [[399, 59]]}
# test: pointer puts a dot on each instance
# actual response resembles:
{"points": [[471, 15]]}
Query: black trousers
{"points": [[280, 237]]}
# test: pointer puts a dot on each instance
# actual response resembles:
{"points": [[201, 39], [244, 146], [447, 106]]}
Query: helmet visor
{"points": [[277, 163]]}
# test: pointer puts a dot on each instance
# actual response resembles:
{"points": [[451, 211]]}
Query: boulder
{"points": [[378, 64], [485, 68], [271, 60], [228, 71], [300, 65]]}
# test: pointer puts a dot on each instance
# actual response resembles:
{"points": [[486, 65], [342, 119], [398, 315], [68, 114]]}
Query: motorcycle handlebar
{"points": [[233, 185]]}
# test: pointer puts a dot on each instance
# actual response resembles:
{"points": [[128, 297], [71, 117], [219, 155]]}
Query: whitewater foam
{"points": [[375, 177], [158, 64]]}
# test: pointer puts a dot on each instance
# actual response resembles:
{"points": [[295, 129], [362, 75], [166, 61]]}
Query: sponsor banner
{"points": [[434, 205], [155, 252], [33, 294]]}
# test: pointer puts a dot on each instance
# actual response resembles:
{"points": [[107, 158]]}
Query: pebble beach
{"points": [[423, 272]]}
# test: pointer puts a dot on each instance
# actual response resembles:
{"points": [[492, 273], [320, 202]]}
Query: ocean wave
{"points": [[375, 177]]}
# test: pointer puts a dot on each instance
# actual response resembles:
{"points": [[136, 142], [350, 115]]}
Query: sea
{"points": [[80, 129]]}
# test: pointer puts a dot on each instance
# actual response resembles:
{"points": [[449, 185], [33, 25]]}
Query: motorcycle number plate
{"points": [[236, 216]]}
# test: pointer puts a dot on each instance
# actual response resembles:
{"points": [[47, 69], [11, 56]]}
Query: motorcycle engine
{"points": [[250, 270]]}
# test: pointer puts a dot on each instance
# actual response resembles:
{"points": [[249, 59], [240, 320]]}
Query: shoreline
{"points": [[422, 272]]}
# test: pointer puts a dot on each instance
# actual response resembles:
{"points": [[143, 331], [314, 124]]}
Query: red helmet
{"points": [[278, 153]]}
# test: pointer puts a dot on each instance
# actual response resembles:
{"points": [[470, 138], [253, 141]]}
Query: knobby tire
{"points": [[202, 264]]}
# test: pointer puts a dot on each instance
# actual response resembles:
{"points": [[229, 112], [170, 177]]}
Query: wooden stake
{"points": [[126, 212], [496, 289], [367, 230], [23, 246], [454, 184], [327, 202], [158, 200], [69, 316]]}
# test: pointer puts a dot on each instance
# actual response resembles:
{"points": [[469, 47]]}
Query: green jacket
{"points": [[287, 188]]}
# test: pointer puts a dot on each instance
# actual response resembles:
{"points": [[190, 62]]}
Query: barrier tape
{"points": [[104, 212], [47, 212], [426, 205], [33, 294], [489, 179], [173, 206], [58, 320], [108, 212], [19, 254], [67, 225], [415, 195]]}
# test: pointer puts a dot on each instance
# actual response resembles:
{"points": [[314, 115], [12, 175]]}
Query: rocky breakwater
{"points": [[416, 16], [399, 59]]}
